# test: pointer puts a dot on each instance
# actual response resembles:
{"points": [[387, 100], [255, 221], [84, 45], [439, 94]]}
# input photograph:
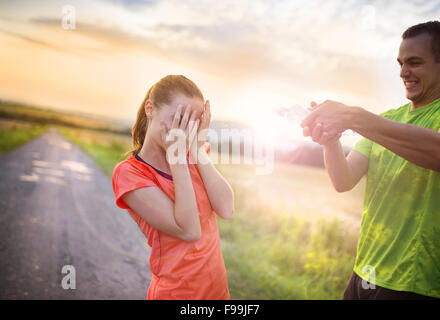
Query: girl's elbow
{"points": [[225, 208], [225, 213], [192, 237], [342, 188]]}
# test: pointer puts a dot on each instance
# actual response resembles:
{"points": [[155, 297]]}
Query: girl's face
{"points": [[164, 114]]}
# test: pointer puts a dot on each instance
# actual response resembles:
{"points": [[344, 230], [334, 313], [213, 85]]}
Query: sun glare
{"points": [[259, 110]]}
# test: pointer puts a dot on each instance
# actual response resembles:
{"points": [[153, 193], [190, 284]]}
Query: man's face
{"points": [[419, 70]]}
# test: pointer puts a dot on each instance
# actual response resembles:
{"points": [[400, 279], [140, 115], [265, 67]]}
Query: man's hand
{"points": [[333, 117], [317, 132]]}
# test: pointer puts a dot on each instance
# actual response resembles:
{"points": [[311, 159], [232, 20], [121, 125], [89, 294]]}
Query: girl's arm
{"points": [[219, 191]]}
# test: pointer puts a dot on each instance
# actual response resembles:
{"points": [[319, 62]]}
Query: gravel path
{"points": [[57, 208]]}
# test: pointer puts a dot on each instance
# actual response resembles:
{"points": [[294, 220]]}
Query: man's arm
{"points": [[418, 145], [344, 172]]}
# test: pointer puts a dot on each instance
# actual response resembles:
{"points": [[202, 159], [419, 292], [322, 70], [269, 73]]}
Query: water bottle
{"points": [[296, 113]]}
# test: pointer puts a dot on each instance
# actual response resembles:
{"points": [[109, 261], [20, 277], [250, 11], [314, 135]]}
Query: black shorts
{"points": [[355, 291]]}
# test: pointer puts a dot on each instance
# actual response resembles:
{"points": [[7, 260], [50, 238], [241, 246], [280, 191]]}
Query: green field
{"points": [[16, 133], [291, 236]]}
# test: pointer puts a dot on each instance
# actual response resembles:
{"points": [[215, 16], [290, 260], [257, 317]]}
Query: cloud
{"points": [[282, 40], [133, 3], [300, 46], [189, 45], [296, 34], [31, 39]]}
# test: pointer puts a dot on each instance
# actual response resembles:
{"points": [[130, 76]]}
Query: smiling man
{"points": [[398, 253]]}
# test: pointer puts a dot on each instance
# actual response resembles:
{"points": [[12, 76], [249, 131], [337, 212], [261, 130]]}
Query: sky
{"points": [[249, 57]]}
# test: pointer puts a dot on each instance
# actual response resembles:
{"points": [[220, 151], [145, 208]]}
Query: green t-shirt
{"points": [[399, 242]]}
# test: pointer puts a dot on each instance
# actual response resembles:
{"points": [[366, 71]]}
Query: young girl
{"points": [[175, 202]]}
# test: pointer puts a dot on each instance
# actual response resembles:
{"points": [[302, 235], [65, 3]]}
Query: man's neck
{"points": [[426, 101]]}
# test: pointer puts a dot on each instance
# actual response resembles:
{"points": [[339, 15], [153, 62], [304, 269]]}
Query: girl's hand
{"points": [[204, 125], [202, 133], [184, 128], [188, 126]]}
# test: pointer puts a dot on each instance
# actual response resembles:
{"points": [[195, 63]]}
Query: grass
{"points": [[13, 134], [105, 148], [286, 239], [278, 255], [31, 114]]}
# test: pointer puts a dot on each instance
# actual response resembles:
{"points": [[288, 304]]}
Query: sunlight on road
{"points": [[30, 178], [55, 172], [52, 172], [76, 166], [54, 141]]}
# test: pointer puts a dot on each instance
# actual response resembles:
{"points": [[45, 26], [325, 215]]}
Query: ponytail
{"points": [[139, 129]]}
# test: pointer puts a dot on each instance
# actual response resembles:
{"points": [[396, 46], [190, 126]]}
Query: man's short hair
{"points": [[433, 29]]}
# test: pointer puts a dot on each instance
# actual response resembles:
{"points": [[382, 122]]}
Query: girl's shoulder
{"points": [[130, 167], [129, 175]]}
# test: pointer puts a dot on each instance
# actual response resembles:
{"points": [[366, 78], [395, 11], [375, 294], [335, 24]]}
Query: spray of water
{"points": [[296, 113]]}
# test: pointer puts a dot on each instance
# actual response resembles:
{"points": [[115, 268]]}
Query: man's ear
{"points": [[148, 108]]}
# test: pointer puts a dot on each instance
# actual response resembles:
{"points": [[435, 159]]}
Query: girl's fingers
{"points": [[196, 126], [193, 129], [185, 117], [191, 122], [193, 116], [163, 131], [209, 111], [208, 108], [177, 116], [201, 121], [206, 116], [192, 134]]}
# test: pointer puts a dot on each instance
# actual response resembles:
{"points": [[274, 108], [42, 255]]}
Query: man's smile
{"points": [[409, 85]]}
